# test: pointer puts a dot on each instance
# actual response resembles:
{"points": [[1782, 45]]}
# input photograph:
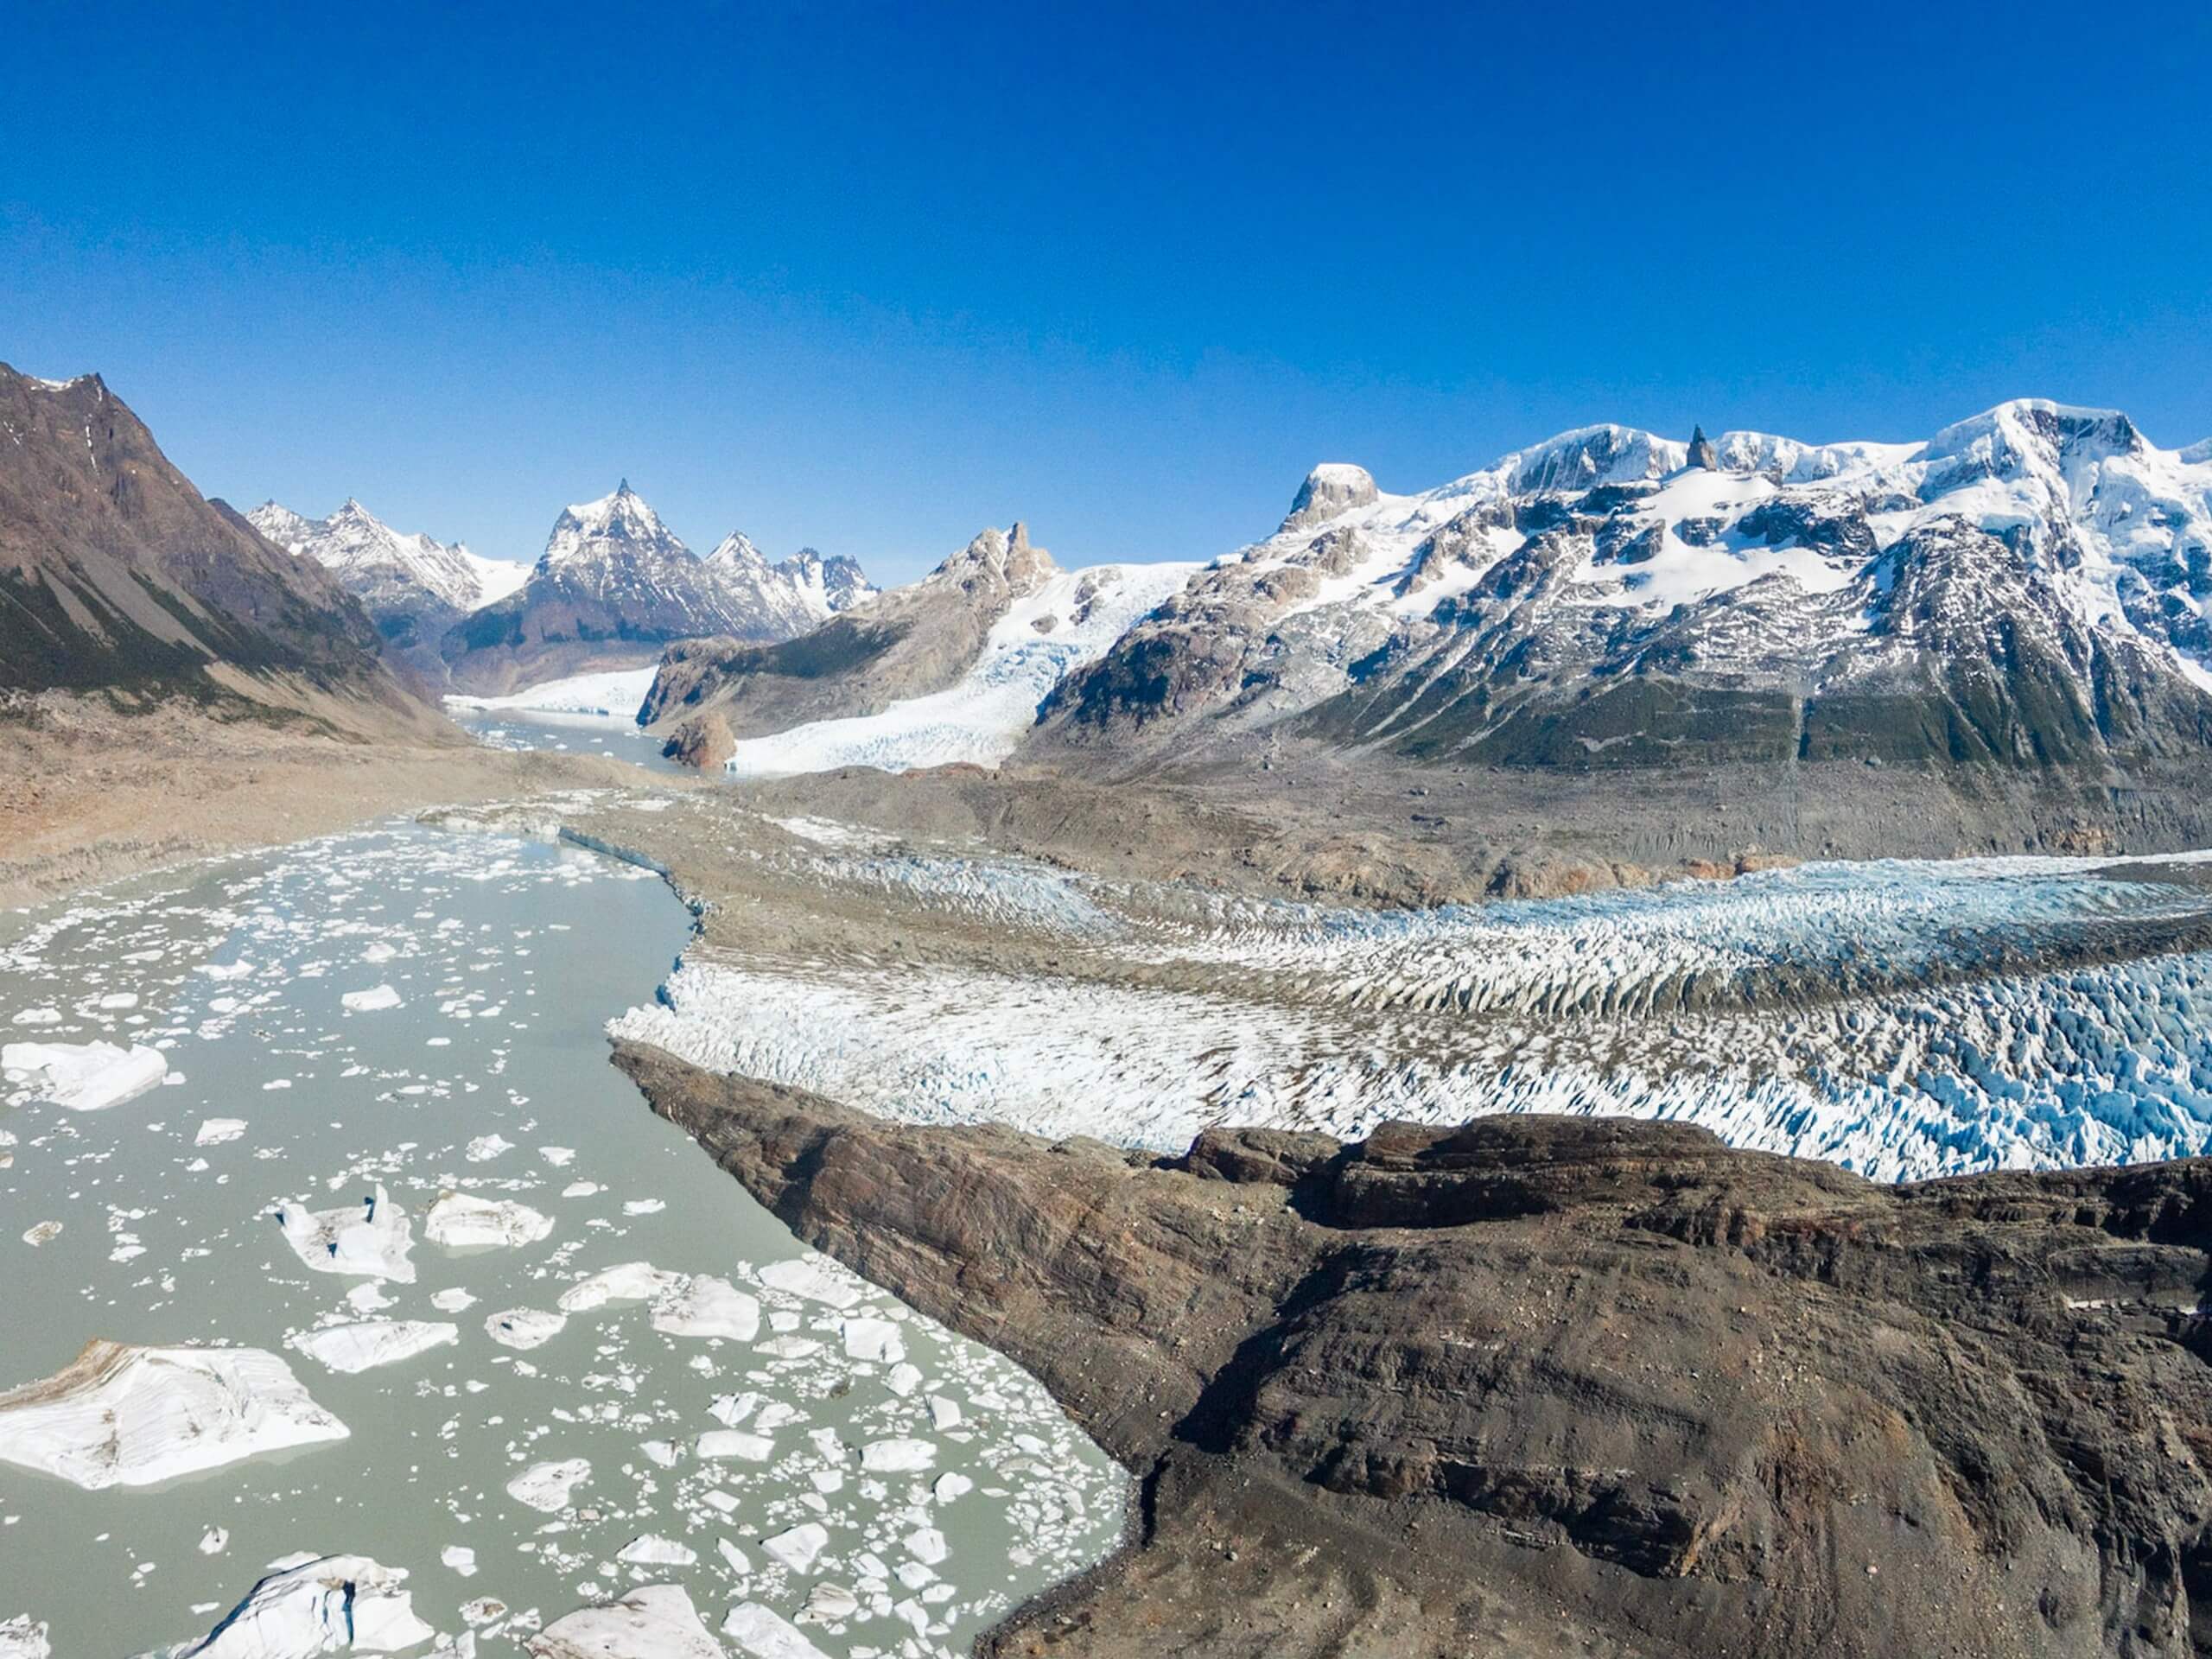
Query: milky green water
{"points": [[508, 957]]}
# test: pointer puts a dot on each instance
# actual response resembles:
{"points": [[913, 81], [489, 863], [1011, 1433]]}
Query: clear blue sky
{"points": [[871, 278]]}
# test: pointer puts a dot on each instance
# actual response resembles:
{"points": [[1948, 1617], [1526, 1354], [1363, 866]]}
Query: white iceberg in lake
{"points": [[546, 1485], [371, 1239], [652, 1550], [897, 1456], [460, 1221], [632, 1281], [372, 1001], [119, 1415], [216, 1130], [734, 1443], [815, 1277], [329, 1604], [20, 1639], [84, 1077], [524, 1327], [798, 1547], [762, 1633], [374, 1342], [655, 1621], [871, 1340], [708, 1306]]}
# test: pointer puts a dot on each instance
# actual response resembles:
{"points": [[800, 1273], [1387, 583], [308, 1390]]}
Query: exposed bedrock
{"points": [[1540, 1386]]}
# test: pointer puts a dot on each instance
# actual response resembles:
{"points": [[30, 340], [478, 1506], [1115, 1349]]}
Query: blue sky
{"points": [[872, 278]]}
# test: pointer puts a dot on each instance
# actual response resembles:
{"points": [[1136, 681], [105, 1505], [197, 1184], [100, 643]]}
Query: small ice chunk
{"points": [[652, 1550], [903, 1380], [328, 1603], [708, 1306], [374, 1342], [373, 1239], [815, 1277], [951, 1485], [119, 1415], [734, 1443], [382, 950], [644, 1207], [371, 1001], [896, 1457], [84, 1077], [798, 1547], [943, 1414], [580, 1189], [41, 1232], [632, 1281], [38, 1017], [20, 1639], [524, 1327], [546, 1485], [559, 1157], [664, 1453], [214, 1541], [460, 1557], [485, 1147], [926, 1544], [875, 1339], [655, 1621], [453, 1299], [460, 1221], [216, 1130]]}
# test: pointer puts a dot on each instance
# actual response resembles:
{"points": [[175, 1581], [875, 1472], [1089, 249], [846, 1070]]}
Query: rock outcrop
{"points": [[1558, 1386]]}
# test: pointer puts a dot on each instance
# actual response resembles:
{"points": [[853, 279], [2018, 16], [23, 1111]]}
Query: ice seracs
{"points": [[374, 1342], [122, 1416], [83, 1076], [371, 1239], [328, 1603]]}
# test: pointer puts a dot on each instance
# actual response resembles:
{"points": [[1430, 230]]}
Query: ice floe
{"points": [[215, 1131], [546, 1485], [370, 1239], [372, 1000], [655, 1621], [83, 1076], [632, 1281], [120, 1415], [762, 1633], [329, 1604], [524, 1327], [374, 1342], [20, 1639], [460, 1221], [708, 1306]]}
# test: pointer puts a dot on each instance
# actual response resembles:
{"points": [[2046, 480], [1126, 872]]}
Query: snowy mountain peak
{"points": [[736, 547], [1329, 489], [1702, 455], [623, 520], [391, 571]]}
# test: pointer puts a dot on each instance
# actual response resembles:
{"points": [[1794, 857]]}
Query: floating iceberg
{"points": [[798, 1547], [331, 1603], [371, 1001], [632, 1281], [524, 1327], [216, 1130], [764, 1634], [459, 1222], [815, 1277], [546, 1485], [872, 1340], [372, 1240], [897, 1457], [708, 1306], [374, 1342], [119, 1415], [20, 1639], [655, 1621], [653, 1550], [84, 1077], [734, 1443]]}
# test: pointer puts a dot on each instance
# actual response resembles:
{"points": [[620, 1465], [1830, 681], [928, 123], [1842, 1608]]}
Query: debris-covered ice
{"points": [[546, 1485], [655, 1621], [119, 1415], [460, 1221]]}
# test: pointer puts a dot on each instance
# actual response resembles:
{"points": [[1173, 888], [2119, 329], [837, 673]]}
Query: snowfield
{"points": [[1070, 620], [1906, 1020]]}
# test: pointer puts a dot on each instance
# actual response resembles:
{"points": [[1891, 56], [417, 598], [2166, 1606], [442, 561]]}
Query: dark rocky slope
{"points": [[118, 577], [1551, 1387]]}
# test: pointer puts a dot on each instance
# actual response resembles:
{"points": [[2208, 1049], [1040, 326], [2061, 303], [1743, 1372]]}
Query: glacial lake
{"points": [[484, 970], [517, 728]]}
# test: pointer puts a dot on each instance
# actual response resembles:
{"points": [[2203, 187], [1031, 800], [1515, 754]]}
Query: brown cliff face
{"points": [[1546, 1386]]}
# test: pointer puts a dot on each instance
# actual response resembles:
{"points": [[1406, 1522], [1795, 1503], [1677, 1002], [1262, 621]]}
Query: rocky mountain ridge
{"points": [[615, 585], [119, 577]]}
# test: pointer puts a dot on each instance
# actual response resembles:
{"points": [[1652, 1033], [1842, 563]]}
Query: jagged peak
{"points": [[1702, 454], [1332, 488]]}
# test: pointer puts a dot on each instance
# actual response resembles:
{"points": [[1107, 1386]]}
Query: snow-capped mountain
{"points": [[382, 565], [2030, 587], [616, 584]]}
